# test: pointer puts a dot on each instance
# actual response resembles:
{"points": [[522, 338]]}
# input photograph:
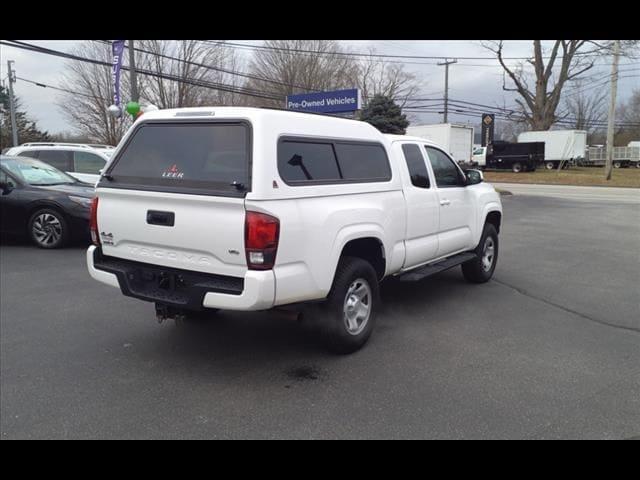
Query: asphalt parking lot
{"points": [[548, 349]]}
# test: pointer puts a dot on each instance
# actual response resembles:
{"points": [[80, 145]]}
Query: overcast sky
{"points": [[478, 81]]}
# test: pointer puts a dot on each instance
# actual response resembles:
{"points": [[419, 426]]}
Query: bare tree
{"points": [[171, 74], [187, 63], [286, 70], [508, 130], [586, 109], [629, 117], [86, 110], [567, 60], [375, 76]]}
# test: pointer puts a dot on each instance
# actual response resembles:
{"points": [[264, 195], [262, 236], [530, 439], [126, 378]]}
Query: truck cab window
{"points": [[446, 172], [415, 164]]}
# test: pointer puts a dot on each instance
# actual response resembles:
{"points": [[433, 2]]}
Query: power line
{"points": [[473, 112], [218, 69], [200, 83], [44, 85], [360, 54], [470, 107]]}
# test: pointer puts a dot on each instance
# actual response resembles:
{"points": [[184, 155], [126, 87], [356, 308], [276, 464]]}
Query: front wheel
{"points": [[348, 316], [480, 269], [48, 229], [516, 167], [549, 165], [617, 164]]}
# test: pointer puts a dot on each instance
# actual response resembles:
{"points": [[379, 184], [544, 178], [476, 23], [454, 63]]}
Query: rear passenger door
{"points": [[457, 213], [423, 209]]}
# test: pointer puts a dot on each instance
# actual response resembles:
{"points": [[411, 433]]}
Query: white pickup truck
{"points": [[251, 209]]}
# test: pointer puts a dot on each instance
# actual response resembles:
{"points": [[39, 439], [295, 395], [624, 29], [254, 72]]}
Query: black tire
{"points": [[352, 273], [47, 228], [516, 167], [476, 271], [549, 165]]}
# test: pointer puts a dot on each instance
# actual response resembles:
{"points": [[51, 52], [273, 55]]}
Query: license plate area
{"points": [[171, 286]]}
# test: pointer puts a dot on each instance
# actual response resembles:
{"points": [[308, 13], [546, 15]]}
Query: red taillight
{"points": [[261, 232], [93, 221]]}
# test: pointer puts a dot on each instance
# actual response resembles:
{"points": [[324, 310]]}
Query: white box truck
{"points": [[560, 146], [457, 140]]}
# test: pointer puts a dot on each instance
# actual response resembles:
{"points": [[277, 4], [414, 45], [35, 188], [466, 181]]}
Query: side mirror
{"points": [[474, 177], [6, 188]]}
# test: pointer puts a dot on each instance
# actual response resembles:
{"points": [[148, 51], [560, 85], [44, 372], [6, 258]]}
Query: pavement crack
{"points": [[521, 291]]}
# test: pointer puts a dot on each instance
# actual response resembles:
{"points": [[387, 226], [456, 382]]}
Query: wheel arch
{"points": [[493, 217], [361, 241], [370, 249]]}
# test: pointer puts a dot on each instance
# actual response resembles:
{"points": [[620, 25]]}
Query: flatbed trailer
{"points": [[622, 157]]}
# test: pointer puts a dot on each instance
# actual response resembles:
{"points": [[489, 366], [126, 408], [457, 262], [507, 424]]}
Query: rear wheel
{"points": [[480, 269], [617, 164], [516, 167], [549, 165], [348, 316], [48, 229]]}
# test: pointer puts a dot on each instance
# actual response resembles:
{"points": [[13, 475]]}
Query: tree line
{"points": [[558, 90]]}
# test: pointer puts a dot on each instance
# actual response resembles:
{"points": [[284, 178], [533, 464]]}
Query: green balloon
{"points": [[132, 108]]}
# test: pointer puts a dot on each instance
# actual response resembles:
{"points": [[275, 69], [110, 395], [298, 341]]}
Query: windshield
{"points": [[34, 172]]}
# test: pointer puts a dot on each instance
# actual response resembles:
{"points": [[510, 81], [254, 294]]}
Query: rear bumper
{"points": [[182, 288]]}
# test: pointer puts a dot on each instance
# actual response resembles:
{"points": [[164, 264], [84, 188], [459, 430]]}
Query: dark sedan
{"points": [[48, 205]]}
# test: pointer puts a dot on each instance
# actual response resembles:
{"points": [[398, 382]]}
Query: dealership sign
{"points": [[337, 101], [488, 124]]}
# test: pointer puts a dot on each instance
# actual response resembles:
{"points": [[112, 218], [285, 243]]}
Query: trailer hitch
{"points": [[164, 312]]}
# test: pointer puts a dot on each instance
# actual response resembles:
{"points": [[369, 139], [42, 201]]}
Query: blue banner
{"points": [[117, 48], [326, 102]]}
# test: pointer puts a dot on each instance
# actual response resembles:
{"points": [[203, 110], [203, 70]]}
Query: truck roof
{"points": [[269, 115]]}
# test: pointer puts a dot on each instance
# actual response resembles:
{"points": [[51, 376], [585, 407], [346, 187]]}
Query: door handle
{"points": [[445, 202], [155, 217]]}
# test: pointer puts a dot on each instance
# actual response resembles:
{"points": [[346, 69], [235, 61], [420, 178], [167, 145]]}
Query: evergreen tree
{"points": [[384, 114], [27, 129]]}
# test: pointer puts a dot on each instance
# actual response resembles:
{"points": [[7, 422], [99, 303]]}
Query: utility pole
{"points": [[612, 109], [446, 64], [132, 71], [12, 104]]}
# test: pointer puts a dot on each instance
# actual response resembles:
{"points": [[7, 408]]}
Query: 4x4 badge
{"points": [[106, 238]]}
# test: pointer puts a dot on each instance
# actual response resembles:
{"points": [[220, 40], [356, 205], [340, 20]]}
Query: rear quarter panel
{"points": [[314, 230]]}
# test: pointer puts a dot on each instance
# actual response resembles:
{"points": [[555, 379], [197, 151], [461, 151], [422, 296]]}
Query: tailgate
{"points": [[207, 234]]}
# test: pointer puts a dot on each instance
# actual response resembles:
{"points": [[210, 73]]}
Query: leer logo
{"points": [[173, 172]]}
